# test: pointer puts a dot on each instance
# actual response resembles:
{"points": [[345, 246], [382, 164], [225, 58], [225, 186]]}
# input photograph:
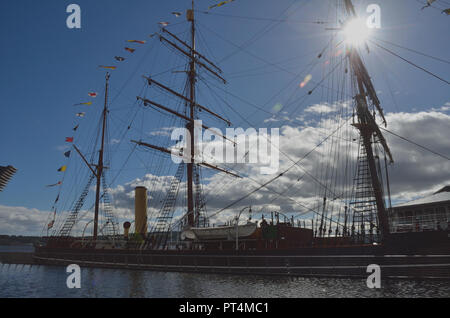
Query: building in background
{"points": [[430, 213], [6, 174]]}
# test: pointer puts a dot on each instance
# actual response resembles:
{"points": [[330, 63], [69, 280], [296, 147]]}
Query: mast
{"points": [[367, 126], [367, 134], [99, 171], [190, 125], [196, 61]]}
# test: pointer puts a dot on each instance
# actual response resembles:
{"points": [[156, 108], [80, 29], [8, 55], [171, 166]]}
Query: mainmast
{"points": [[99, 171], [190, 125], [367, 125], [196, 61]]}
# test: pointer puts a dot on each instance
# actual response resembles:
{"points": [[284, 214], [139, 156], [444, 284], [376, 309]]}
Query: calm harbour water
{"points": [[50, 281]]}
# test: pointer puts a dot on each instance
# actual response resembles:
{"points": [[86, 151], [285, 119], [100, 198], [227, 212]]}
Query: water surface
{"points": [[50, 281], [29, 248]]}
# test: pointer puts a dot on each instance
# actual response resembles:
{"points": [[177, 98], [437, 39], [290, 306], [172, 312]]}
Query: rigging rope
{"points": [[262, 19], [416, 144], [414, 51], [409, 62], [281, 174]]}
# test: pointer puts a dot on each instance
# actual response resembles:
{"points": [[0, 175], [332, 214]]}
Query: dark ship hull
{"points": [[409, 255]]}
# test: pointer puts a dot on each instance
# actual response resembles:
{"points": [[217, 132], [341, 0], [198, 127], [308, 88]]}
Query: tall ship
{"points": [[346, 224]]}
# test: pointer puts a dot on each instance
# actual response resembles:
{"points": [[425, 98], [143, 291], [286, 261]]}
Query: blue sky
{"points": [[46, 68]]}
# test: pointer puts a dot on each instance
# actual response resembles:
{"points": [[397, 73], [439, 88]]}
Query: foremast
{"points": [[98, 175], [100, 166]]}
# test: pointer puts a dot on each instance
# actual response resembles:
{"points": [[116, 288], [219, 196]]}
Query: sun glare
{"points": [[356, 32]]}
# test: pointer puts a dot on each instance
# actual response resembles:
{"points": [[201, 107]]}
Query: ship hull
{"points": [[351, 261]]}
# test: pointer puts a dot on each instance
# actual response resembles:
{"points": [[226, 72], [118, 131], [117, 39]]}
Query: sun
{"points": [[356, 32]]}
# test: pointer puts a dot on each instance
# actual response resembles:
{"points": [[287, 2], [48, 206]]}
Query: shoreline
{"points": [[25, 258]]}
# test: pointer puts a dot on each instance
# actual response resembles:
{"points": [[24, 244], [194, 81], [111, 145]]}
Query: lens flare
{"points": [[356, 32], [277, 107], [306, 80]]}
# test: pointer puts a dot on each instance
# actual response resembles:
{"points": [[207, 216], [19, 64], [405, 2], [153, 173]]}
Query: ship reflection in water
{"points": [[49, 281]]}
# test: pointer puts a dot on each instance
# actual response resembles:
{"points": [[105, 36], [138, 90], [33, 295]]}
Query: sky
{"points": [[46, 68]]}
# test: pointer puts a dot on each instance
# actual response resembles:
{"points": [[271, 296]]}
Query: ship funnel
{"points": [[140, 210], [126, 229]]}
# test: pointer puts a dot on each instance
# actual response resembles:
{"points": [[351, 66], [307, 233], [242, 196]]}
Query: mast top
{"points": [[190, 13]]}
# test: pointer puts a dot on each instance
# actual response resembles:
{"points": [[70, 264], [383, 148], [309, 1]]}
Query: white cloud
{"points": [[165, 131], [62, 148], [415, 172], [21, 220], [444, 108], [326, 108]]}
